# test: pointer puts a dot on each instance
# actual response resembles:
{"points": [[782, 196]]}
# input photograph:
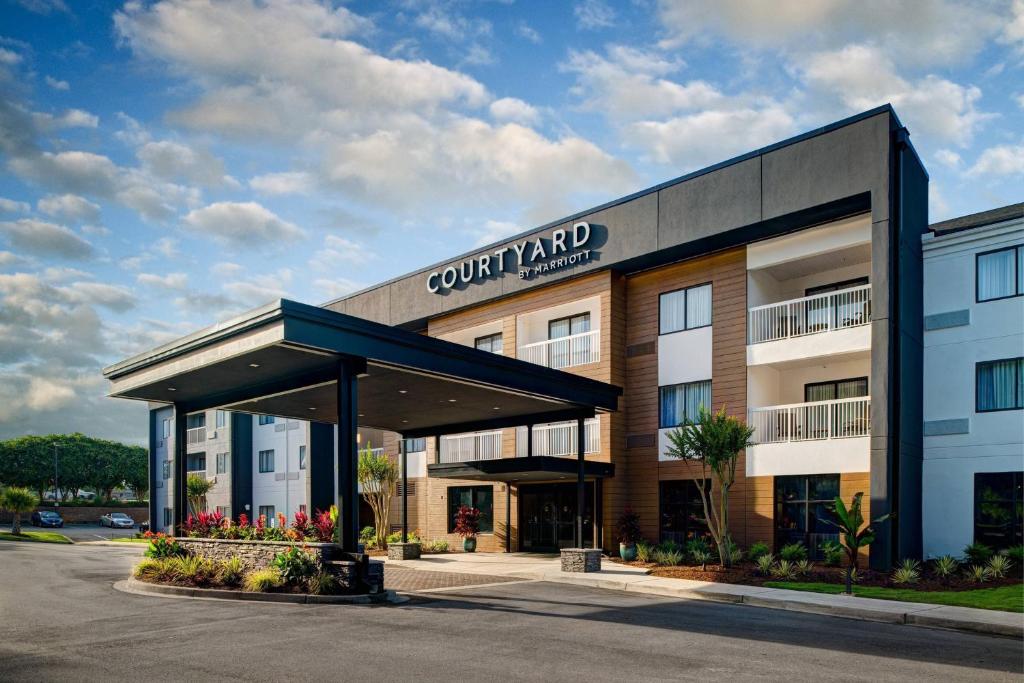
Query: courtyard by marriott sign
{"points": [[529, 258]]}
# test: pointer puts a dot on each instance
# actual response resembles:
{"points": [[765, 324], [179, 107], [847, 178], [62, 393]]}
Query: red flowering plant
{"points": [[189, 526], [323, 527], [161, 546], [303, 524], [260, 529], [467, 522]]}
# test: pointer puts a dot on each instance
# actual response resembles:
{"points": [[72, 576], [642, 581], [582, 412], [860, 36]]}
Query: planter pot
{"points": [[627, 551], [469, 544]]}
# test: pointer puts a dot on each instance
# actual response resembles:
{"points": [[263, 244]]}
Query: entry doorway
{"points": [[547, 516]]}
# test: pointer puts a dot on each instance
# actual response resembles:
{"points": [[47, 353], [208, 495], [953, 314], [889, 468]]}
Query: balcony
{"points": [[564, 352], [559, 438], [471, 446], [811, 315], [811, 438], [195, 435]]}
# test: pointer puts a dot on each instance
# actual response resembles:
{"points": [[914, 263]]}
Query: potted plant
{"points": [[467, 525], [629, 534]]}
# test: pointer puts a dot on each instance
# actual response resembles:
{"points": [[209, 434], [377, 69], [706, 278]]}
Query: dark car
{"points": [[47, 518]]}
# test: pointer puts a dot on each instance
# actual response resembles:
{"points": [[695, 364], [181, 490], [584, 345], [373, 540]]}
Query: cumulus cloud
{"points": [[171, 281], [329, 289], [42, 238], [57, 84], [514, 109], [72, 118], [260, 289], [593, 14], [13, 206], [948, 158], [1000, 160], [527, 32], [492, 231], [174, 161], [338, 251], [288, 182], [69, 207], [241, 224]]}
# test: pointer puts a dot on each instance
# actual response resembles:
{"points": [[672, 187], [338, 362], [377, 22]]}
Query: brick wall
{"points": [[82, 515]]}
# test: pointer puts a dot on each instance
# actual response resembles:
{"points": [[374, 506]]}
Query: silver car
{"points": [[117, 520]]}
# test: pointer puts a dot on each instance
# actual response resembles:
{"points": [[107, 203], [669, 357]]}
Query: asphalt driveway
{"points": [[81, 532], [62, 620]]}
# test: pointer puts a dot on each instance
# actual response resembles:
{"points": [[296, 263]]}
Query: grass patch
{"points": [[128, 539], [35, 537], [1004, 598]]}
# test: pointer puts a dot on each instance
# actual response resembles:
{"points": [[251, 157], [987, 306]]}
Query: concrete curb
{"points": [[136, 587]]}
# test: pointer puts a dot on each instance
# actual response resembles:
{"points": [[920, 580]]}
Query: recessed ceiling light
{"points": [[361, 415], [312, 408], [403, 391], [405, 422], [254, 365], [171, 389], [496, 408], [452, 400]]}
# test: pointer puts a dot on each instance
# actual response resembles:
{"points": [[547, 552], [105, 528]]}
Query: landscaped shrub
{"points": [[643, 551], [758, 549], [148, 569], [909, 572], [294, 565], [628, 527], [262, 580], [977, 553], [1015, 553], [832, 552], [785, 570], [436, 546], [192, 570], [669, 546], [161, 545], [999, 566], [734, 552], [396, 537], [366, 536], [698, 544], [668, 557], [701, 557], [322, 583], [945, 567], [793, 552], [323, 528], [803, 567], [231, 571], [764, 564], [978, 573]]}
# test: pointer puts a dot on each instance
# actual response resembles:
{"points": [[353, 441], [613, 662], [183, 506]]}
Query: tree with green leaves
{"points": [[849, 521], [714, 443], [378, 475], [196, 488], [18, 501]]}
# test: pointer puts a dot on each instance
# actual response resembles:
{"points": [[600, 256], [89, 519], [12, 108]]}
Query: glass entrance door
{"points": [[547, 516]]}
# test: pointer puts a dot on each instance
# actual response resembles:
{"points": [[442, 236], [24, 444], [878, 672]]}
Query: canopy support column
{"points": [[348, 454], [403, 453], [508, 517], [180, 468], [581, 495]]}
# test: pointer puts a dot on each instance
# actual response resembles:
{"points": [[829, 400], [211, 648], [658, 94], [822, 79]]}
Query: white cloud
{"points": [[171, 281], [525, 31], [96, 230], [69, 207], [593, 14], [45, 394], [260, 289], [166, 246], [338, 251], [9, 57], [72, 118], [1000, 160], [9, 259], [329, 289], [57, 84], [288, 182], [492, 231], [45, 239], [241, 223], [514, 109], [174, 161], [1019, 99], [226, 269], [948, 158], [13, 206], [113, 297], [134, 262]]}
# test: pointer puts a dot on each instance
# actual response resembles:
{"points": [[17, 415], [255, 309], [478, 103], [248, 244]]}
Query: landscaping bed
{"points": [[1008, 597], [35, 537]]}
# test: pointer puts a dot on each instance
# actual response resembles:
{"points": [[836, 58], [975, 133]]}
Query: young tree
{"points": [[378, 475], [18, 501], [849, 522], [196, 488], [713, 442]]}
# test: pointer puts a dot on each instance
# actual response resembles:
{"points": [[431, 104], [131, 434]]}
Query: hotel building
{"points": [[784, 286]]}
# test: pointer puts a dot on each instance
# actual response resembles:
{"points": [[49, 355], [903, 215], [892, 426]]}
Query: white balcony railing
{"points": [[472, 446], [195, 435], [811, 314], [564, 352], [559, 438], [838, 419]]}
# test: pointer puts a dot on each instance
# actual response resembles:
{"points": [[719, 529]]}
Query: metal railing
{"points": [[559, 438], [810, 315], [564, 352], [838, 419], [471, 446], [195, 435]]}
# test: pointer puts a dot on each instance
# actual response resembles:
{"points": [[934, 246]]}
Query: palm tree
{"points": [[196, 488], [18, 501]]}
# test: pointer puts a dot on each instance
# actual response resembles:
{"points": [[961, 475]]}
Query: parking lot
{"points": [[81, 532]]}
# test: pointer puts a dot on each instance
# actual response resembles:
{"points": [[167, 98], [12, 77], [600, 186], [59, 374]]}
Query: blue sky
{"points": [[164, 164]]}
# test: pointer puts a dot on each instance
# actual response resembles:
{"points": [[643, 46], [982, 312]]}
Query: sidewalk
{"points": [[614, 576]]}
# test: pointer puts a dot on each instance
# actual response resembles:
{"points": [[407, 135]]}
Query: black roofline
{"points": [[882, 109]]}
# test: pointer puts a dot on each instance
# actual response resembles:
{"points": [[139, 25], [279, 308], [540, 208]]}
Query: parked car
{"points": [[143, 527], [47, 518], [117, 520]]}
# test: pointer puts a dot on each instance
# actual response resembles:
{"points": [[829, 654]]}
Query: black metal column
{"points": [[180, 468], [154, 430], [348, 456], [599, 513], [437, 449], [529, 441], [581, 494], [403, 453], [508, 518]]}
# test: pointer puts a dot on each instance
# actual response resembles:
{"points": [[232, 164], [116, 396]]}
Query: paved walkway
{"points": [[615, 576]]}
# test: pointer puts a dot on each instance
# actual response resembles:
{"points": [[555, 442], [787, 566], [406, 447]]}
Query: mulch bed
{"points": [[746, 574]]}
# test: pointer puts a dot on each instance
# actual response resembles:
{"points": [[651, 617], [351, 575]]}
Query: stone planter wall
{"points": [[403, 551], [581, 560]]}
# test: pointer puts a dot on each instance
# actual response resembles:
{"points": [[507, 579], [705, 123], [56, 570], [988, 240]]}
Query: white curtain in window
{"points": [[996, 275], [698, 395], [673, 311], [698, 306], [998, 385], [1020, 270]]}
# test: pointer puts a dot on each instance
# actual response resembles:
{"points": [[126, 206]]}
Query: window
{"points": [[801, 508], [266, 419], [302, 457], [167, 469], [302, 508], [415, 445], [267, 461], [564, 327], [167, 429], [222, 463], [479, 497], [196, 462], [841, 311], [222, 418], [168, 517], [490, 342], [680, 402], [999, 385], [1000, 274], [195, 421], [998, 506], [681, 510], [224, 510], [684, 309], [841, 388], [267, 512]]}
